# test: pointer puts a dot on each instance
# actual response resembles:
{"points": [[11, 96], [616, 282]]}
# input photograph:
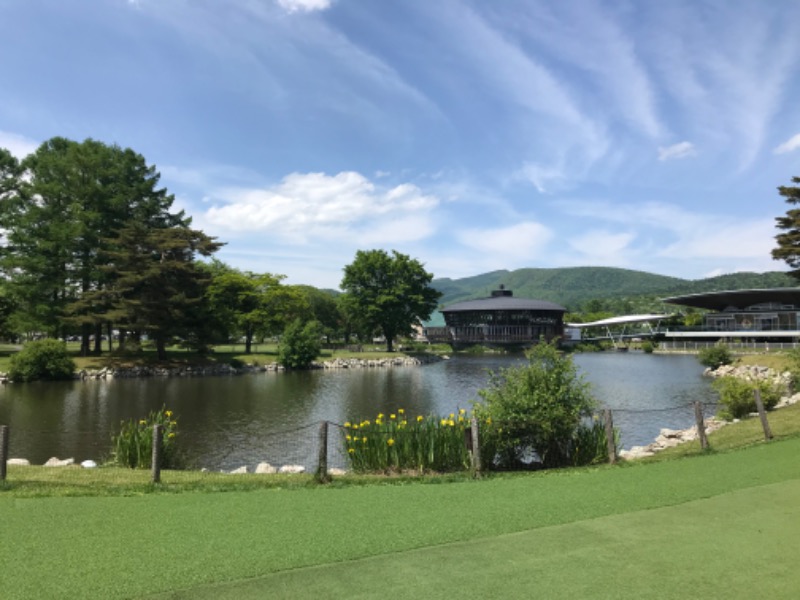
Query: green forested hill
{"points": [[573, 286]]}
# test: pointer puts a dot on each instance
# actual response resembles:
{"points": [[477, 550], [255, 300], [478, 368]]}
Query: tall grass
{"points": [[399, 443], [133, 446]]}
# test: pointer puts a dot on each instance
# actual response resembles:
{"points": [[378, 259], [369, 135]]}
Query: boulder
{"points": [[239, 471], [292, 469], [20, 462], [89, 464], [264, 468], [55, 462]]}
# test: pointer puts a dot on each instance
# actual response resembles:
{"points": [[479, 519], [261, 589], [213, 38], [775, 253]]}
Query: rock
{"points": [[20, 462], [336, 472], [239, 471], [292, 469], [89, 464], [265, 468], [55, 462]]}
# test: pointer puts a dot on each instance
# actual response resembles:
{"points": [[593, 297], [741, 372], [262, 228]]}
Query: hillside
{"points": [[573, 286]]}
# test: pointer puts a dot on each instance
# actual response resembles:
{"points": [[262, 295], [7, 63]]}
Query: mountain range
{"points": [[572, 287]]}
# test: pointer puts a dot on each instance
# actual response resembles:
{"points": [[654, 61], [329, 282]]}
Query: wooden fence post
{"points": [[3, 451], [155, 467], [322, 469], [701, 425], [762, 414], [611, 443], [476, 447]]}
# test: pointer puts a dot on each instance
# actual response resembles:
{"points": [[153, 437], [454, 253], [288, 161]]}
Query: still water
{"points": [[229, 421]]}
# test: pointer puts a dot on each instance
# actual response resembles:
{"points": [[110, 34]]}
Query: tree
{"points": [[248, 302], [788, 249], [73, 200], [157, 288], [391, 293], [300, 345], [325, 309]]}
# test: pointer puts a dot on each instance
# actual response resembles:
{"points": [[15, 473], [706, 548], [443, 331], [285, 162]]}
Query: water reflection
{"points": [[229, 421]]}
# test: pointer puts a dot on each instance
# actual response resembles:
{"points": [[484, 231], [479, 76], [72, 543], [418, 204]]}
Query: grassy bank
{"points": [[122, 547]]}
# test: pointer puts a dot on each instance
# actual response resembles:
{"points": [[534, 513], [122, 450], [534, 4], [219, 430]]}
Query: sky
{"points": [[472, 135]]}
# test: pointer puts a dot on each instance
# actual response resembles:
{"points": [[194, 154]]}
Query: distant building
{"points": [[500, 320], [765, 314]]}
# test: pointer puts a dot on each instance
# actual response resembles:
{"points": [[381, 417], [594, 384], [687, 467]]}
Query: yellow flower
{"points": [[419, 418], [401, 411], [452, 416], [142, 422], [451, 423], [347, 423], [380, 415], [173, 423], [390, 441], [168, 413], [355, 425], [443, 422], [351, 450], [171, 435], [392, 416], [460, 419], [462, 411], [488, 420], [365, 424], [348, 438], [364, 440]]}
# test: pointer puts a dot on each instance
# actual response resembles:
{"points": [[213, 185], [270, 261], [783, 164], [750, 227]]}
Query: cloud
{"points": [[790, 145], [541, 176], [19, 145], [523, 241], [292, 6], [603, 247], [305, 206], [680, 150]]}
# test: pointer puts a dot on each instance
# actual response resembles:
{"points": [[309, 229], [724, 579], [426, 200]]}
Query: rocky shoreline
{"points": [[226, 369], [669, 438]]}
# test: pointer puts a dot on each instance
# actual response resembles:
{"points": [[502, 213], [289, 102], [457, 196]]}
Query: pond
{"points": [[229, 421]]}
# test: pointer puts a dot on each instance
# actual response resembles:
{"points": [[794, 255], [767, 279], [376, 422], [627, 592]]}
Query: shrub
{"points": [[132, 447], [715, 356], [648, 347], [43, 359], [300, 345], [530, 414], [737, 396], [395, 443]]}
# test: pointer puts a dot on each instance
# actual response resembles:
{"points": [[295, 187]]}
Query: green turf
{"points": [[118, 547], [693, 550]]}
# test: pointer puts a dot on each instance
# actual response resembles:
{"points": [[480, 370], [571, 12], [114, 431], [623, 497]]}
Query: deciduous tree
{"points": [[390, 292]]}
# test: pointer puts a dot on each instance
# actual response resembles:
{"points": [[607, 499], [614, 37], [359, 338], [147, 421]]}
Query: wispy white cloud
{"points": [[304, 5], [346, 206], [19, 145], [680, 150], [522, 241], [603, 247], [790, 145]]}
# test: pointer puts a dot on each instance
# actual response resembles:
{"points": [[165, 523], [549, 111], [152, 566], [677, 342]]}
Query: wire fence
{"points": [[322, 447]]}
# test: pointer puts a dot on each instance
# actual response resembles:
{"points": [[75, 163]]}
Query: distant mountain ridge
{"points": [[572, 286]]}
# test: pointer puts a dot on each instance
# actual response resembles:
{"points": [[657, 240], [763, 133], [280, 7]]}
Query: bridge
{"points": [[620, 334]]}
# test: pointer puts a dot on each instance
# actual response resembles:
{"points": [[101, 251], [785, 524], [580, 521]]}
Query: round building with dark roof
{"points": [[501, 320]]}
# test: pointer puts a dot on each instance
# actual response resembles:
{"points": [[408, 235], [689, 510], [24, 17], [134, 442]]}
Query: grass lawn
{"points": [[723, 524]]}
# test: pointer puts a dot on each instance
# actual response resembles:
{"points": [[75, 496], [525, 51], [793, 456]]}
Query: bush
{"points": [[530, 415], [300, 345], [715, 356], [737, 396], [42, 359], [648, 347], [132, 447]]}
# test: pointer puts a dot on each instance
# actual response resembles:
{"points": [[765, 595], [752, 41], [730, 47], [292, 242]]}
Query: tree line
{"points": [[92, 249]]}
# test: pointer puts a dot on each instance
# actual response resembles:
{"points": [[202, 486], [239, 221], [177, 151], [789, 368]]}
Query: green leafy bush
{"points": [[42, 359], [715, 356], [737, 396], [300, 345], [530, 415], [648, 347], [132, 447]]}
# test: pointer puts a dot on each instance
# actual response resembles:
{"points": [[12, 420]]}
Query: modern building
{"points": [[759, 315], [500, 320]]}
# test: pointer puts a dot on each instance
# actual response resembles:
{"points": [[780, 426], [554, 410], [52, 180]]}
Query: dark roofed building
{"points": [[762, 313], [500, 319]]}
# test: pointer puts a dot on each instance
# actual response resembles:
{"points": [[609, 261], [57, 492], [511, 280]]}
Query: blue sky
{"points": [[473, 135]]}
